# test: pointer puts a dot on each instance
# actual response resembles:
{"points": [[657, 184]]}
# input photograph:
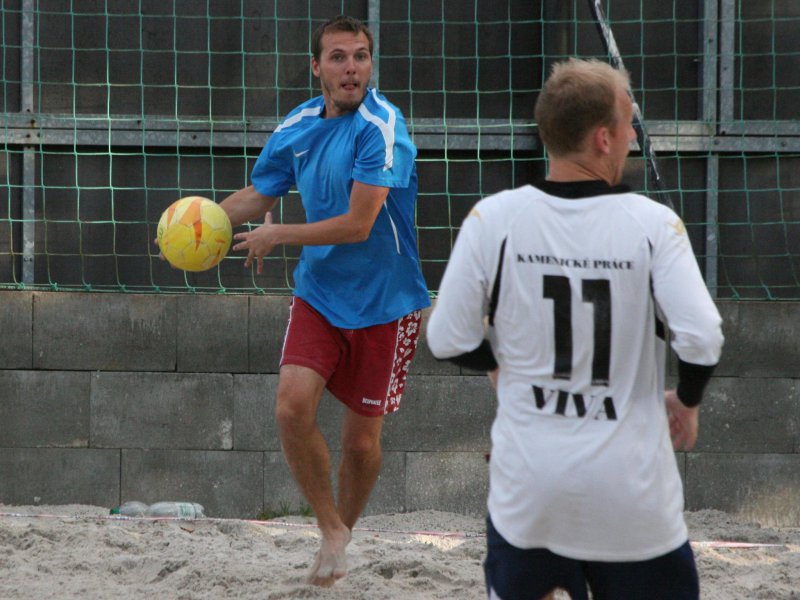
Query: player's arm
{"points": [[247, 205], [456, 329], [683, 422], [693, 319], [683, 403], [351, 227]]}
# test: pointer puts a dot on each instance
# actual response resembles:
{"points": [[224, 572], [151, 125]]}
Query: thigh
{"points": [[311, 341], [361, 434], [672, 576], [528, 574], [371, 377], [299, 387]]}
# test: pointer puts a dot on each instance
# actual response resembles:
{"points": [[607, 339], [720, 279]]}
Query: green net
{"points": [[112, 109]]}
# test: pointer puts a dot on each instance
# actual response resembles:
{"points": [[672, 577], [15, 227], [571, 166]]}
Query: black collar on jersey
{"points": [[581, 189]]}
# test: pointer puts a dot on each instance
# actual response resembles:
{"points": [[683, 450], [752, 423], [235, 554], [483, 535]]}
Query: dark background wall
{"points": [[130, 105]]}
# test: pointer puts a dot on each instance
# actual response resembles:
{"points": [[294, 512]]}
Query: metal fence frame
{"points": [[717, 132]]}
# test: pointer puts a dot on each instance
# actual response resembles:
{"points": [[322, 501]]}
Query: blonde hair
{"points": [[578, 96]]}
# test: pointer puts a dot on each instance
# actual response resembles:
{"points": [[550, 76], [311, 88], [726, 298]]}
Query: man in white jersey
{"points": [[358, 287], [556, 290]]}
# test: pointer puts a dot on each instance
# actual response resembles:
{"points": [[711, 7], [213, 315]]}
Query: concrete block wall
{"points": [[747, 459], [111, 397]]}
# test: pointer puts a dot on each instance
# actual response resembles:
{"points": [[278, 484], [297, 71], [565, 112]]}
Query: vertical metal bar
{"points": [[727, 50], [709, 114], [712, 223], [709, 74], [29, 153], [374, 23], [557, 42]]}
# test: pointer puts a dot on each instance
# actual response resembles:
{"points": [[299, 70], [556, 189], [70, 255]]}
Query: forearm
{"points": [[480, 359], [692, 380], [351, 227], [247, 205], [336, 230]]}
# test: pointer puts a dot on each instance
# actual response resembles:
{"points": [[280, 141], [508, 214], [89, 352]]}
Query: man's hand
{"points": [[493, 375], [683, 422], [259, 242]]}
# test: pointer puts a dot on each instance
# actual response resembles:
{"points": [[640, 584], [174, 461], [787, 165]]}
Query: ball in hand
{"points": [[194, 234]]}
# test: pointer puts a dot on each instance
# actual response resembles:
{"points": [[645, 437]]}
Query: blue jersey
{"points": [[371, 282]]}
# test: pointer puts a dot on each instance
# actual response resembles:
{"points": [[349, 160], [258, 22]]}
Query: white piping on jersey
{"points": [[394, 228], [306, 112], [386, 127]]}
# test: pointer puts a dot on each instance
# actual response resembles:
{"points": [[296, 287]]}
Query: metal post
{"points": [[374, 23], [29, 154], [727, 46], [709, 115]]}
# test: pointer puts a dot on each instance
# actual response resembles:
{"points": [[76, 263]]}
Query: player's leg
{"points": [[306, 452], [369, 380], [312, 349], [524, 574], [672, 576], [361, 464]]}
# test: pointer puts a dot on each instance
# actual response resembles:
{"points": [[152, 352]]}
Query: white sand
{"points": [[86, 554]]}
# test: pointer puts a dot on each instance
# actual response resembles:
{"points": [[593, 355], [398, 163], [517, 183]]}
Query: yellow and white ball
{"points": [[194, 233]]}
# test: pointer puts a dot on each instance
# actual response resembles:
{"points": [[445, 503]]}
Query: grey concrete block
{"points": [[330, 418], [162, 410], [59, 476], [755, 485], [110, 332], [389, 493], [268, 318], [761, 339], [442, 413], [16, 323], [745, 415], [282, 495], [424, 363], [680, 459], [448, 481], [227, 484], [212, 333], [254, 426], [44, 408]]}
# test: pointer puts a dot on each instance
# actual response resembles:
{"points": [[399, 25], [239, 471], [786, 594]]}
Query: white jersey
{"points": [[581, 462]]}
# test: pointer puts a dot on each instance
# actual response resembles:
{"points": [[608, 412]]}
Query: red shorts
{"points": [[364, 368]]}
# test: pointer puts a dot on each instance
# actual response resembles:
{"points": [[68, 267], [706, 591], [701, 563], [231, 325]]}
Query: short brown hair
{"points": [[340, 23], [578, 96]]}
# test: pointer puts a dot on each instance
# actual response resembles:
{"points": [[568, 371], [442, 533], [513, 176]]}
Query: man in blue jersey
{"points": [[358, 293]]}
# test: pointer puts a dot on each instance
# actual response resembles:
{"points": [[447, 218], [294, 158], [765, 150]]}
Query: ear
{"points": [[602, 140], [314, 67]]}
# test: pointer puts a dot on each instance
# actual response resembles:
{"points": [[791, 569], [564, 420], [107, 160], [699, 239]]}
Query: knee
{"points": [[294, 414], [361, 445]]}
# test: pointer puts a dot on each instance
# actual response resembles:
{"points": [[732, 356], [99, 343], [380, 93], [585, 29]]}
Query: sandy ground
{"points": [[84, 553]]}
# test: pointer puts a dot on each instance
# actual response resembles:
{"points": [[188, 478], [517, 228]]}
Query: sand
{"points": [[84, 553]]}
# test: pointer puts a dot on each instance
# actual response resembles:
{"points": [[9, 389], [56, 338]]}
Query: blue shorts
{"points": [[517, 574]]}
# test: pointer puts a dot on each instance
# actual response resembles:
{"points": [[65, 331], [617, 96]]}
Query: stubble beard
{"points": [[347, 106], [344, 105]]}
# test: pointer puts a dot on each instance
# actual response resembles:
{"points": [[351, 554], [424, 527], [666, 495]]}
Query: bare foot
{"points": [[330, 562]]}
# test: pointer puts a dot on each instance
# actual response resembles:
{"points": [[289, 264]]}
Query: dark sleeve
{"points": [[480, 359], [692, 380]]}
